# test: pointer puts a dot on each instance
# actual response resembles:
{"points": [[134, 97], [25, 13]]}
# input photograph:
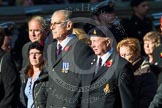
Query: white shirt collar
{"points": [[105, 56], [65, 41]]}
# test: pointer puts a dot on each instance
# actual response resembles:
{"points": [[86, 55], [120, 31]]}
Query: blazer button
{"points": [[36, 94], [50, 88]]}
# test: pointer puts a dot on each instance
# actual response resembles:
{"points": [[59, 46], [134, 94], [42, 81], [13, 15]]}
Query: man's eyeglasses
{"points": [[57, 23]]}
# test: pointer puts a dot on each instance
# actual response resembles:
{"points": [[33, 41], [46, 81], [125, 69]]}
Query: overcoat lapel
{"points": [[53, 52], [51, 55], [102, 70]]}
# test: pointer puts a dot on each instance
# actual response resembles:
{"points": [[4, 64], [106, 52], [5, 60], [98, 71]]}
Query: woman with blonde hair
{"points": [[151, 41]]}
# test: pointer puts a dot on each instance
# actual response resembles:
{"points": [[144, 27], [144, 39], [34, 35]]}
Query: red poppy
{"points": [[67, 48], [108, 63]]}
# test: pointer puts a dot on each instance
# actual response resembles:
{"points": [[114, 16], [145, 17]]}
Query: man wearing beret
{"points": [[139, 24], [104, 14], [110, 83]]}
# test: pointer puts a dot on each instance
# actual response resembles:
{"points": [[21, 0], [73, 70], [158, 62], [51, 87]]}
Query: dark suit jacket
{"points": [[64, 80], [111, 86], [9, 82]]}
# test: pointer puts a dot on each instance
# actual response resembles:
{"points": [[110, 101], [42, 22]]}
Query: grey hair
{"points": [[41, 21], [67, 14]]}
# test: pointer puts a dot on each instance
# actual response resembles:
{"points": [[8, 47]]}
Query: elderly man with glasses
{"points": [[67, 59]]}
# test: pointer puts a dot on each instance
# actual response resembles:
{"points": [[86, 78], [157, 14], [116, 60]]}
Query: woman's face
{"points": [[149, 46], [35, 57], [126, 53]]}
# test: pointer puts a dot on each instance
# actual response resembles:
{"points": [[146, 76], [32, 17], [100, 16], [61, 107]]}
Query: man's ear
{"points": [[108, 40], [69, 25]]}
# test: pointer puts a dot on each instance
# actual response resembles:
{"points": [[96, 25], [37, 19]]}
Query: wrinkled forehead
{"points": [[35, 24], [97, 38]]}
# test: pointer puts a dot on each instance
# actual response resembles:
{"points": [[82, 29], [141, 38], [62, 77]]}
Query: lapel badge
{"points": [[107, 89], [94, 32], [65, 67], [93, 61]]}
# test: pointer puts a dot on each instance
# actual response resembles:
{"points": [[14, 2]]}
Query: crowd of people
{"points": [[108, 64]]}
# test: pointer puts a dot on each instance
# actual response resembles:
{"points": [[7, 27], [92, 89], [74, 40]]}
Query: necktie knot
{"points": [[59, 50], [59, 47]]}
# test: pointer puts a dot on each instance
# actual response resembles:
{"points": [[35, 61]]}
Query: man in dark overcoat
{"points": [[67, 59], [110, 84]]}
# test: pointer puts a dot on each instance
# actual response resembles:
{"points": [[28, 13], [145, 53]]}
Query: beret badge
{"points": [[94, 32]]}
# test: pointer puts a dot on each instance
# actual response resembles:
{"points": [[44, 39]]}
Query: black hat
{"points": [[104, 7], [134, 3], [100, 31], [157, 56]]}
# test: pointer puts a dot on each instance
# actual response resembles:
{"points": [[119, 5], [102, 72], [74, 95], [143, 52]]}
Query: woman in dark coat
{"points": [[145, 82], [34, 79]]}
